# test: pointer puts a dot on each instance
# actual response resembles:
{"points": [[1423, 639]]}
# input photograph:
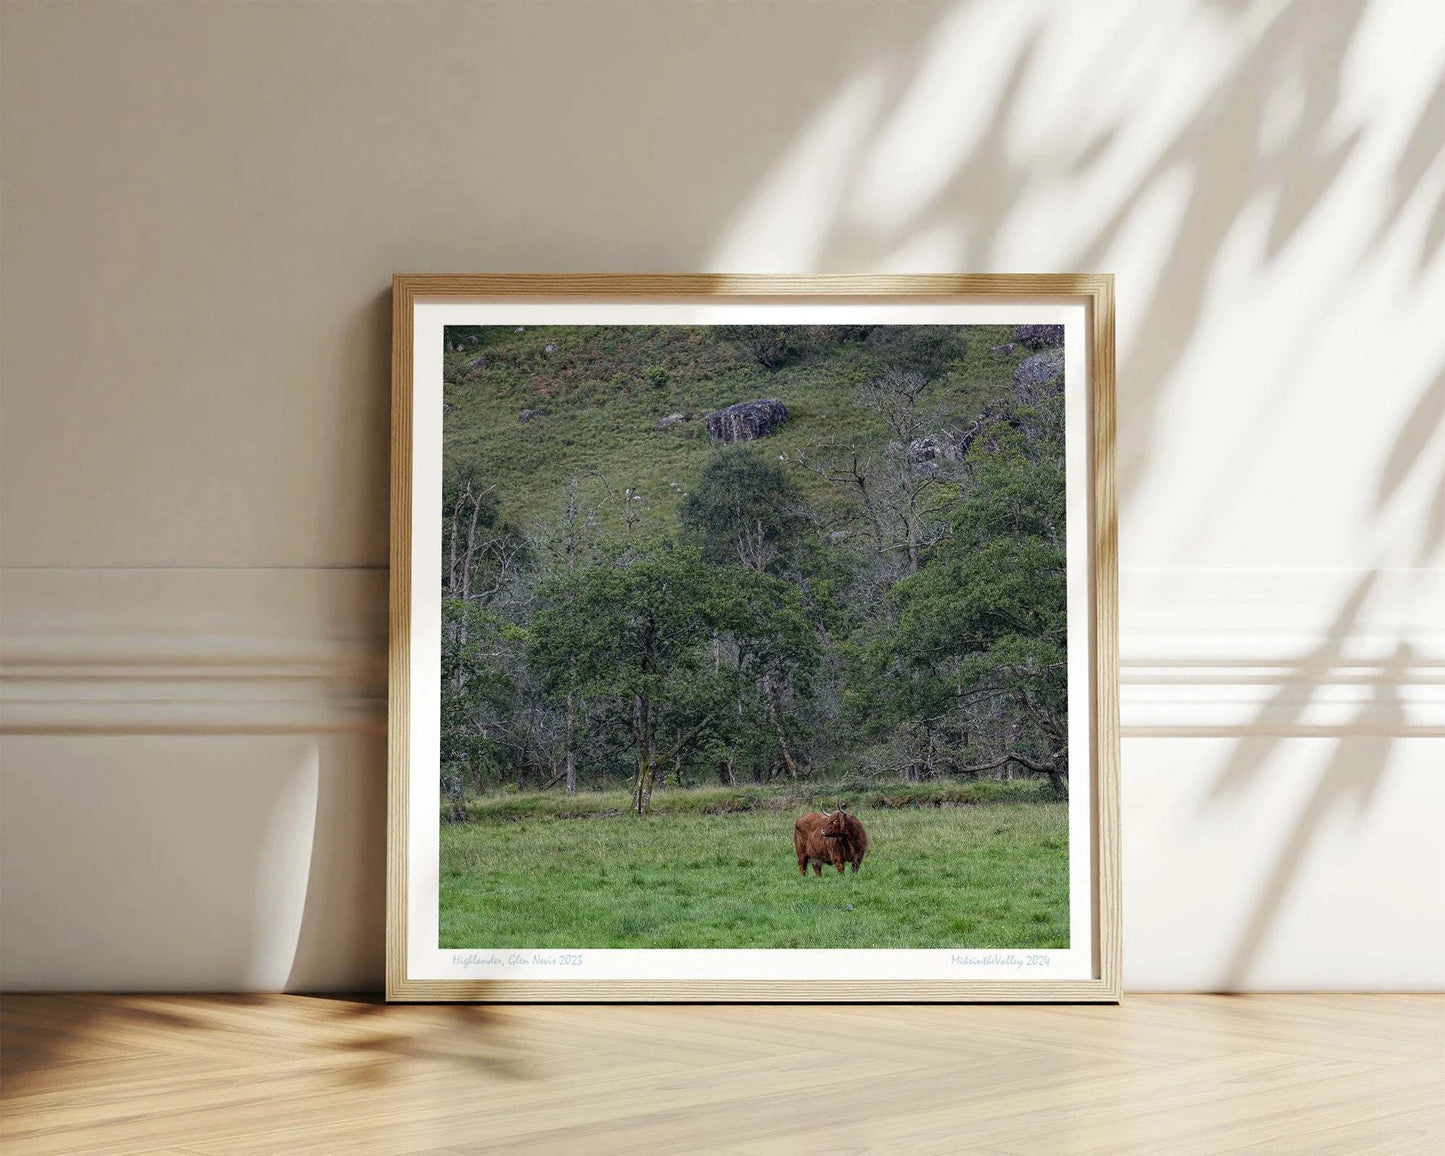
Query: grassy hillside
{"points": [[822, 602], [604, 388]]}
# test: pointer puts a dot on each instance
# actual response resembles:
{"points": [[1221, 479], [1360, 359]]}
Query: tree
{"points": [[897, 396], [773, 647], [985, 621], [479, 556], [842, 333], [743, 509], [768, 345], [567, 542], [900, 488], [478, 693], [649, 639], [484, 724]]}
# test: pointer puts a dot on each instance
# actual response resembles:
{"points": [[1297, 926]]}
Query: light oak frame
{"points": [[1096, 291]]}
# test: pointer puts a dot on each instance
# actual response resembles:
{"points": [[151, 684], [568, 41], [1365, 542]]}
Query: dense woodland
{"points": [[873, 589]]}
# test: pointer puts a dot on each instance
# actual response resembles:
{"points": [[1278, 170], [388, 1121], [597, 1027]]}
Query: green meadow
{"points": [[718, 871]]}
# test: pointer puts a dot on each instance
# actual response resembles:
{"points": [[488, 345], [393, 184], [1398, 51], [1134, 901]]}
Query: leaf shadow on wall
{"points": [[1271, 133], [1228, 165], [1365, 743]]}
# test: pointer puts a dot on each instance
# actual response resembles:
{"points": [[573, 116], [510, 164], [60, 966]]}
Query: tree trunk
{"points": [[452, 561], [771, 696], [642, 789], [571, 761], [642, 731], [471, 552], [1058, 772]]}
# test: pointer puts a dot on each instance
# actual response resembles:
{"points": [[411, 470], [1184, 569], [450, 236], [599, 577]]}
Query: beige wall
{"points": [[202, 208]]}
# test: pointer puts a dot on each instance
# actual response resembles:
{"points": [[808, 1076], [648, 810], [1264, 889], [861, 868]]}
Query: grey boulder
{"points": [[747, 421], [1041, 368], [1039, 336]]}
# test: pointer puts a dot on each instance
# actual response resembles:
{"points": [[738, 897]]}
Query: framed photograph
{"points": [[753, 638]]}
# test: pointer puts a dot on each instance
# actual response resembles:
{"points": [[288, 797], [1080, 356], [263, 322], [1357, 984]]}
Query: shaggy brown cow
{"points": [[836, 838], [857, 839], [819, 839]]}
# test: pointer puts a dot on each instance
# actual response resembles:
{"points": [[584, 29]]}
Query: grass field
{"points": [[987, 875]]}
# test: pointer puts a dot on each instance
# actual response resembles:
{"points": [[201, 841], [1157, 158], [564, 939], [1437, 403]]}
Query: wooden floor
{"points": [[293, 1074]]}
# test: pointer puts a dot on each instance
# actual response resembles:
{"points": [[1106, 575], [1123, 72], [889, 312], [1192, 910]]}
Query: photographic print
{"points": [[750, 631]]}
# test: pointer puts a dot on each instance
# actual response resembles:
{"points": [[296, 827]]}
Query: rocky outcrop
{"points": [[669, 421], [1040, 370], [1039, 336], [477, 362], [928, 454], [1005, 349], [747, 421], [531, 415]]}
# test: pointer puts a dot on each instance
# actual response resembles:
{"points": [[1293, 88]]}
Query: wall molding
{"points": [[1305, 652], [1303, 700], [105, 651]]}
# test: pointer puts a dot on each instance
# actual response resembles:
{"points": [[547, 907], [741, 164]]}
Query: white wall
{"points": [[202, 208]]}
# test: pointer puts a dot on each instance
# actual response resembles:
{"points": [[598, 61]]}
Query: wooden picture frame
{"points": [[499, 972]]}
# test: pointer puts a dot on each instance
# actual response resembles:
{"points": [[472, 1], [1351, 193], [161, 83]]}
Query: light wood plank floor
{"points": [[290, 1074]]}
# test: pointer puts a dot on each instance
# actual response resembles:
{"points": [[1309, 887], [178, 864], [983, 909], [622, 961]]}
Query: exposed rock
{"points": [[551, 347], [930, 452], [746, 421], [1039, 336], [1005, 349], [476, 362], [671, 419], [1039, 370], [530, 414]]}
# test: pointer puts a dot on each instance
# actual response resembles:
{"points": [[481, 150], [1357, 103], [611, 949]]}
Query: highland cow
{"points": [[837, 838], [856, 838]]}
